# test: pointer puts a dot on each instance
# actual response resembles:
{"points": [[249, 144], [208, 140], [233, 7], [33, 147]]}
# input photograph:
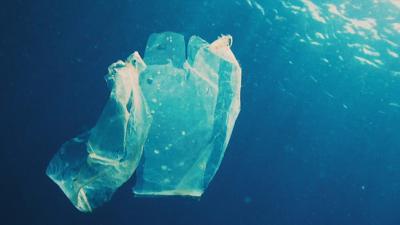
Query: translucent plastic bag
{"points": [[180, 110], [194, 105], [89, 168]]}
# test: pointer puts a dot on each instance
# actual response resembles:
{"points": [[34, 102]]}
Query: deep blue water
{"points": [[317, 141]]}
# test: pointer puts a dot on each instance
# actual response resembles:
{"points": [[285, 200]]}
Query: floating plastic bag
{"points": [[89, 168], [181, 111], [194, 105]]}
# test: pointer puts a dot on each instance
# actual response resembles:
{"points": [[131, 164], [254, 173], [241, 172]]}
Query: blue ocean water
{"points": [[317, 140]]}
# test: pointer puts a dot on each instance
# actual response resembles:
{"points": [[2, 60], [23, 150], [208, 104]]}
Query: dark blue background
{"points": [[297, 155]]}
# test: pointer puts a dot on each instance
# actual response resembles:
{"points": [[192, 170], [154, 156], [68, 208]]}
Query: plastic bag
{"points": [[178, 112]]}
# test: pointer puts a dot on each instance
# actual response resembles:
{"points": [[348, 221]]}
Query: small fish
{"points": [[313, 79], [394, 104], [329, 94]]}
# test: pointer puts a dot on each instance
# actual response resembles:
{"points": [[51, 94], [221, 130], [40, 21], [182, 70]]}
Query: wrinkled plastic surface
{"points": [[173, 115], [194, 104], [89, 168]]}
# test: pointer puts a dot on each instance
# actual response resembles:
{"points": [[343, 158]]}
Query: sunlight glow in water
{"points": [[314, 10], [396, 3], [370, 28]]}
